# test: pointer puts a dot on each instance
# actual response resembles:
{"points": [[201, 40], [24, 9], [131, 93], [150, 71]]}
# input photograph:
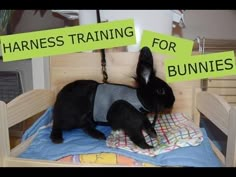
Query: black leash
{"points": [[103, 59]]}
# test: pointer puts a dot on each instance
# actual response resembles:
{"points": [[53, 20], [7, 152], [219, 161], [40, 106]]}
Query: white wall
{"points": [[161, 21], [153, 20], [218, 24]]}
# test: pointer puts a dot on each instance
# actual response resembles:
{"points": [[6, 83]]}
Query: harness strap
{"points": [[103, 57]]}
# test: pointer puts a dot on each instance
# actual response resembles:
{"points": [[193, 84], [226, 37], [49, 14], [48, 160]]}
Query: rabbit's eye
{"points": [[161, 91]]}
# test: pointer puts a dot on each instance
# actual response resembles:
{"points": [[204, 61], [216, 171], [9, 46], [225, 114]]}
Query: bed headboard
{"points": [[121, 68]]}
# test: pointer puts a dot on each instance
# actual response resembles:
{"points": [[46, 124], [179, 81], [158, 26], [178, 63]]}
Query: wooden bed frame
{"points": [[120, 67]]}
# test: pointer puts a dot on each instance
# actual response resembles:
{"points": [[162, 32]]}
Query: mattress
{"points": [[80, 148]]}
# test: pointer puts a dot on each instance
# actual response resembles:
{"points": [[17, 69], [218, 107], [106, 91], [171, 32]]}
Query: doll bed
{"points": [[120, 67]]}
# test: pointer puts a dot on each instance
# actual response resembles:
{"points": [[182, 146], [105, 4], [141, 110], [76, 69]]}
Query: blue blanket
{"points": [[77, 142]]}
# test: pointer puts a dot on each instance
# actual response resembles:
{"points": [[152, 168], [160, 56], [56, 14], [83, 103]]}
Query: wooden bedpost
{"points": [[4, 134], [231, 142], [196, 114]]}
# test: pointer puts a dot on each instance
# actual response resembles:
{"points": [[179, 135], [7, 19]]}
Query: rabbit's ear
{"points": [[144, 68]]}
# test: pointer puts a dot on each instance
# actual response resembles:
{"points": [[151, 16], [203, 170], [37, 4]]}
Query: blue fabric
{"points": [[77, 142], [214, 134]]}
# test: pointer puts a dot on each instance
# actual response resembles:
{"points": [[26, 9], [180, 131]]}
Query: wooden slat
{"points": [[24, 105], [222, 83], [120, 67], [233, 77], [229, 94], [232, 104], [196, 114], [215, 109], [230, 99], [223, 91]]}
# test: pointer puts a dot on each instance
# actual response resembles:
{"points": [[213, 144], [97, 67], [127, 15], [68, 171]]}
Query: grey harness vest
{"points": [[107, 94]]}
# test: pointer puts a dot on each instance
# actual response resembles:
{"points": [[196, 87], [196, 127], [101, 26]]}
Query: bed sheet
{"points": [[78, 147]]}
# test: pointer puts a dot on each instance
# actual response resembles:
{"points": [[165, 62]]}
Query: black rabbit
{"points": [[83, 103]]}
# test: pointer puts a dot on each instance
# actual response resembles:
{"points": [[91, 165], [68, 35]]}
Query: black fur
{"points": [[155, 94], [123, 116], [74, 105], [73, 109]]}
